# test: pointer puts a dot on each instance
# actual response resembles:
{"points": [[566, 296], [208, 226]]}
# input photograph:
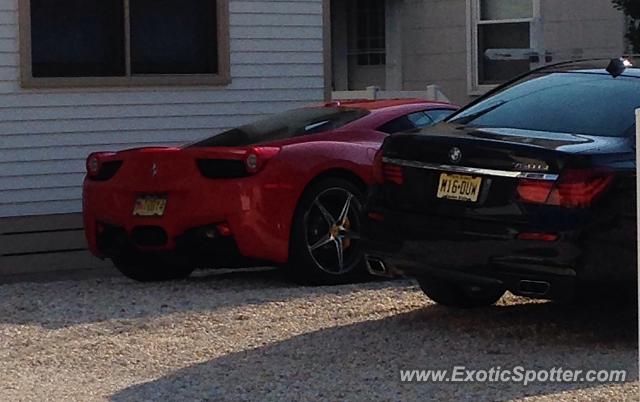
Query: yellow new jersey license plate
{"points": [[150, 206], [459, 187]]}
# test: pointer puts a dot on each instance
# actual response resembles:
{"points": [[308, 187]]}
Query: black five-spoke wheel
{"points": [[325, 237]]}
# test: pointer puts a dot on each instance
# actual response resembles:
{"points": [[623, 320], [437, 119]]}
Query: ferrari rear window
{"points": [[285, 125]]}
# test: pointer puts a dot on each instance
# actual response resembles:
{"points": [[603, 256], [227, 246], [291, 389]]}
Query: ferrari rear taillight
{"points": [[224, 229], [101, 166], [235, 162], [575, 188], [384, 172], [257, 158], [93, 165]]}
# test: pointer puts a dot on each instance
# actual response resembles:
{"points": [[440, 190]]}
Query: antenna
{"points": [[617, 66]]}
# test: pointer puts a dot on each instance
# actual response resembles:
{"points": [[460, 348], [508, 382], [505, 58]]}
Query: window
{"points": [[408, 122], [124, 42], [439, 115], [72, 38], [282, 126], [504, 41], [575, 103], [420, 119], [368, 44]]}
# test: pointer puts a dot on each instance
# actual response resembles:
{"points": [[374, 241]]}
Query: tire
{"points": [[460, 295], [324, 246], [149, 268]]}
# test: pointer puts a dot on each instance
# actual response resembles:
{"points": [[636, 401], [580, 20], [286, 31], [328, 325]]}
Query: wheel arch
{"points": [[336, 173]]}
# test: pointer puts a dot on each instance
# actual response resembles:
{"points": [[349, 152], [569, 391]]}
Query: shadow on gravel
{"points": [[55, 305], [362, 361]]}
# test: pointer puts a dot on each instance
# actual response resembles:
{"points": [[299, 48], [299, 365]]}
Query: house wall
{"points": [[579, 28], [435, 39], [45, 135], [339, 46], [434, 46]]}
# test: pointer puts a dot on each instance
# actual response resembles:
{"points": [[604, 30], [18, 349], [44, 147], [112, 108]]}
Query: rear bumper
{"points": [[202, 246], [259, 217], [479, 252], [525, 279]]}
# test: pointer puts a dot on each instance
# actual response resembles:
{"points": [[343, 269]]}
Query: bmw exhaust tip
{"points": [[534, 288]]}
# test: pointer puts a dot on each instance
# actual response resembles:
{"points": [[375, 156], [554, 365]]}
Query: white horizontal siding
{"points": [[45, 135]]}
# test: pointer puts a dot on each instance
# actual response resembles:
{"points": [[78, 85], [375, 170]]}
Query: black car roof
{"points": [[595, 66]]}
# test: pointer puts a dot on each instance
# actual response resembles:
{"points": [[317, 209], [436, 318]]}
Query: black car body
{"points": [[530, 189]]}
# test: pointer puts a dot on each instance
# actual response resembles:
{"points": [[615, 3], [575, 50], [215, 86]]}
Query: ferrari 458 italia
{"points": [[286, 190]]}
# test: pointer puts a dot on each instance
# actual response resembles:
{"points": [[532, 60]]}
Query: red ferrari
{"points": [[286, 190]]}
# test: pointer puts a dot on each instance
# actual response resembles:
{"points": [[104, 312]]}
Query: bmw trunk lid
{"points": [[459, 171]]}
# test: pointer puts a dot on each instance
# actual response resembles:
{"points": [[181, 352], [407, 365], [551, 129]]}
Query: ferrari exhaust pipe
{"points": [[377, 267]]}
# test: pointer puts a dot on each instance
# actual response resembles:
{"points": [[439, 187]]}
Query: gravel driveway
{"points": [[255, 336]]}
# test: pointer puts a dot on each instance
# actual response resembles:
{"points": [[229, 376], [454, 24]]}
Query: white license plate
{"points": [[459, 187], [149, 206]]}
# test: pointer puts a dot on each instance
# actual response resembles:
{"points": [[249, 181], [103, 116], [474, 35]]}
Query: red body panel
{"points": [[259, 209]]}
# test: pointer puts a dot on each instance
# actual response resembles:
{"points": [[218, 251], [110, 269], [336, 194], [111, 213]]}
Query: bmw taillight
{"points": [[534, 191], [392, 173], [257, 158], [575, 188], [384, 172], [378, 177], [100, 166]]}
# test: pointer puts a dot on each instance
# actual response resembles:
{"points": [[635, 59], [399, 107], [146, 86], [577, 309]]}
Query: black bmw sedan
{"points": [[531, 189]]}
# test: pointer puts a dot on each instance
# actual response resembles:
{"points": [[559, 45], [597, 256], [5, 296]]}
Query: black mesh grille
{"points": [[222, 168], [149, 236], [107, 171], [111, 240]]}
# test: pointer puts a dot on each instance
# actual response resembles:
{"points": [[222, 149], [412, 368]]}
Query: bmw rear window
{"points": [[574, 103], [285, 125]]}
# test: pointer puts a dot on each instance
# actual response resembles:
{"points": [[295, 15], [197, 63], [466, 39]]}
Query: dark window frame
{"points": [[223, 77], [500, 101], [405, 123], [474, 10], [362, 45], [285, 126], [437, 120]]}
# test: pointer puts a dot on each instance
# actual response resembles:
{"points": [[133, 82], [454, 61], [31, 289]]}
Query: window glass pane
{"points": [[440, 115], [590, 104], [367, 40], [285, 125], [420, 119], [376, 59], [495, 63], [505, 9], [398, 125], [173, 37], [77, 38]]}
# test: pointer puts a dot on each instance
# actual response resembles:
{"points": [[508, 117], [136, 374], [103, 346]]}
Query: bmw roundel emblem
{"points": [[455, 155]]}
